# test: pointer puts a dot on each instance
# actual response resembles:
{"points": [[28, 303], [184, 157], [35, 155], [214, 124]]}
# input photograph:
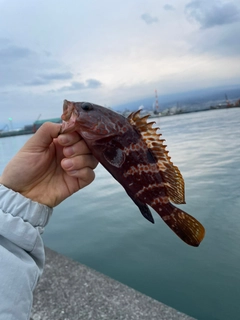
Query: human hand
{"points": [[49, 168]]}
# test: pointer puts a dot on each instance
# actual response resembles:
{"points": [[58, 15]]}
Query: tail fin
{"points": [[185, 226]]}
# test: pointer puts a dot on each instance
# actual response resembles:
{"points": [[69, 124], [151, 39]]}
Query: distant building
{"points": [[37, 124]]}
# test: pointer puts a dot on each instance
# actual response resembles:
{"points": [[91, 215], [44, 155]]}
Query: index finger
{"points": [[43, 137]]}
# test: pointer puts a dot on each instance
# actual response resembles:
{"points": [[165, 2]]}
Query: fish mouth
{"points": [[69, 117]]}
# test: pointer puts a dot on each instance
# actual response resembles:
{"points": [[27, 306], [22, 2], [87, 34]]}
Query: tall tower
{"points": [[156, 110]]}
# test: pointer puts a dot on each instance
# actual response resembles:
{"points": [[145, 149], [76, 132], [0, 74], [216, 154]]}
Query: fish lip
{"points": [[65, 105], [68, 110], [69, 117]]}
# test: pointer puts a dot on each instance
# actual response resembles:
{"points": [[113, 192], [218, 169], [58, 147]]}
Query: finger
{"points": [[67, 139], [44, 135], [73, 165], [86, 176], [76, 149]]}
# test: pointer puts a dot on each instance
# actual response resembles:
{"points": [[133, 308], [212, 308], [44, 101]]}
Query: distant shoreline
{"points": [[31, 129]]}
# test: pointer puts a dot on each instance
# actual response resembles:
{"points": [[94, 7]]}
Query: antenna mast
{"points": [[156, 111]]}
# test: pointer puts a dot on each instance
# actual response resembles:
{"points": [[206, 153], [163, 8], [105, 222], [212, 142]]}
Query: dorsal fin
{"points": [[171, 175]]}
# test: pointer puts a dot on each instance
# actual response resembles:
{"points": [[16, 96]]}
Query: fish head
{"points": [[91, 121]]}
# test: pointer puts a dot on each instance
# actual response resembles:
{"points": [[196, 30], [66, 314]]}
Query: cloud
{"points": [[148, 18], [75, 85], [212, 13], [57, 76], [168, 7], [21, 66], [44, 59], [47, 78], [4, 41], [213, 41], [219, 26], [12, 53], [93, 83]]}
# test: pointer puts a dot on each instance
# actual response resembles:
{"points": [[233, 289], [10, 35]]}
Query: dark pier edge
{"points": [[69, 290]]}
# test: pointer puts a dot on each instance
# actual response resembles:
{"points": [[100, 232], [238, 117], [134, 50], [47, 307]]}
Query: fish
{"points": [[134, 153]]}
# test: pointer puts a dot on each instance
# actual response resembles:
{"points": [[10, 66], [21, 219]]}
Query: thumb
{"points": [[44, 135]]}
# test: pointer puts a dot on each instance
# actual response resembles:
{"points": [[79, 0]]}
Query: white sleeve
{"points": [[22, 254]]}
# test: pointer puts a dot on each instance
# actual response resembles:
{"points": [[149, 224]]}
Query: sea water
{"points": [[101, 227]]}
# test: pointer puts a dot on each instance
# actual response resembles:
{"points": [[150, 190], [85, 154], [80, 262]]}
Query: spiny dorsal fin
{"points": [[171, 175]]}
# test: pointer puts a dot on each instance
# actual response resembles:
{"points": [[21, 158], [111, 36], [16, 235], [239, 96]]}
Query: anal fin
{"points": [[145, 211]]}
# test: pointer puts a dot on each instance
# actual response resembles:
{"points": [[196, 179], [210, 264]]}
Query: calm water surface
{"points": [[102, 228]]}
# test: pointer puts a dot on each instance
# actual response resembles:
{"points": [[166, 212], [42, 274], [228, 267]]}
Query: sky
{"points": [[111, 51]]}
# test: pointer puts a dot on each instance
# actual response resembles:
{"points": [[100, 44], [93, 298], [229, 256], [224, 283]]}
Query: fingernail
{"points": [[63, 139], [67, 163]]}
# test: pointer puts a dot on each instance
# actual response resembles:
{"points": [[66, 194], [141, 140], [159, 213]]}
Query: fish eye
{"points": [[86, 106]]}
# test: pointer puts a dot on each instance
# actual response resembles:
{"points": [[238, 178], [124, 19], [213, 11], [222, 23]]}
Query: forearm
{"points": [[21, 252]]}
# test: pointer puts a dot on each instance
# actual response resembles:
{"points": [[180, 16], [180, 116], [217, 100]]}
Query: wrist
{"points": [[17, 205]]}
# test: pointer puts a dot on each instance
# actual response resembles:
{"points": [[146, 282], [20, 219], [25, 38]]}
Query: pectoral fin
{"points": [[115, 157]]}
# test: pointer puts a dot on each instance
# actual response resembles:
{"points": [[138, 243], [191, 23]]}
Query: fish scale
{"points": [[132, 150]]}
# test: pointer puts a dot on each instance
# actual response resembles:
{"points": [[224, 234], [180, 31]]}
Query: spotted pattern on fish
{"points": [[150, 188], [140, 169], [133, 152], [135, 147], [159, 200]]}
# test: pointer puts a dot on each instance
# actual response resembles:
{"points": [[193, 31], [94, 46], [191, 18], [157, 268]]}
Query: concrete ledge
{"points": [[71, 291]]}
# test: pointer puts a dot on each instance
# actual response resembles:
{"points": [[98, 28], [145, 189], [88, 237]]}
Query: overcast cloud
{"points": [[89, 84], [212, 13], [111, 52], [148, 18], [168, 7]]}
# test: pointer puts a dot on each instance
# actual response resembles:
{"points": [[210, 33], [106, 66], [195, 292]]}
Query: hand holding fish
{"points": [[50, 167]]}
